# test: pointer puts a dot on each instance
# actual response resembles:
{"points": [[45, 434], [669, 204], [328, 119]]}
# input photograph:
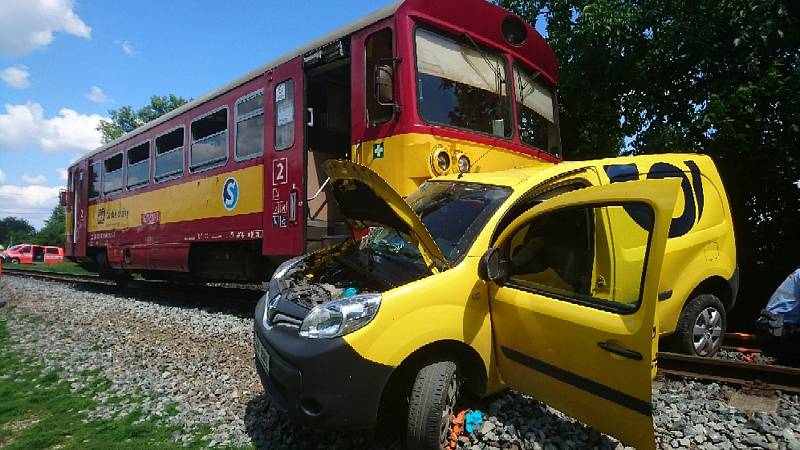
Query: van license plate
{"points": [[261, 354]]}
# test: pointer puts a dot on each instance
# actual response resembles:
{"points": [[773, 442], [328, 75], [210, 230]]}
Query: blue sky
{"points": [[65, 63]]}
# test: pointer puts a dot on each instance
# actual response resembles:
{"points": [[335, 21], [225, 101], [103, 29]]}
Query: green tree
{"points": [[720, 77], [14, 230], [54, 229], [126, 119]]}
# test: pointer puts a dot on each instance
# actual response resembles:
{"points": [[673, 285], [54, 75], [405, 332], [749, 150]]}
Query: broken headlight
{"points": [[340, 317], [280, 272]]}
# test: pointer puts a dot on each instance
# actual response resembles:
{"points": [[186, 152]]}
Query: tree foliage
{"points": [[14, 230], [126, 119], [54, 229], [719, 77]]}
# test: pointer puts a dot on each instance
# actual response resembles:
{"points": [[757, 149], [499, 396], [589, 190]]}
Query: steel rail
{"points": [[194, 295], [775, 377]]}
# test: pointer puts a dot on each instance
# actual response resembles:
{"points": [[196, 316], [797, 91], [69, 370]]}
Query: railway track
{"points": [[760, 378], [242, 299]]}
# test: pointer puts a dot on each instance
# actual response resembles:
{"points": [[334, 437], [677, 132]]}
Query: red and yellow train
{"points": [[230, 184]]}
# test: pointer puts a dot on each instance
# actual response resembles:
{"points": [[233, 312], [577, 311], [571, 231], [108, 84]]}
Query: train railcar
{"points": [[231, 184]]}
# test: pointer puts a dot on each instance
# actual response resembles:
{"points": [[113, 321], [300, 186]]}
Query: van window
{"points": [[566, 254], [25, 249], [378, 52], [209, 140], [284, 115], [112, 174], [51, 250], [169, 154], [250, 126], [139, 165], [94, 180]]}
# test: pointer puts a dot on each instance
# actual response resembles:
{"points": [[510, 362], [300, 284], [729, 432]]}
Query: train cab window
{"points": [[112, 174], [536, 108], [378, 54], [209, 140], [250, 126], [169, 154], [461, 85], [284, 115], [94, 180], [139, 165]]}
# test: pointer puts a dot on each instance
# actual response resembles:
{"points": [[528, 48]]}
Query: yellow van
{"points": [[552, 281]]}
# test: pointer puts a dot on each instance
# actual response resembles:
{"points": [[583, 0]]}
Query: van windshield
{"points": [[453, 212]]}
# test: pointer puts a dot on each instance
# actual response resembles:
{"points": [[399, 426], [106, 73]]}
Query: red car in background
{"points": [[32, 254]]}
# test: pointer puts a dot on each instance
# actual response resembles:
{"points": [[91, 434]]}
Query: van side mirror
{"points": [[491, 268], [384, 85]]}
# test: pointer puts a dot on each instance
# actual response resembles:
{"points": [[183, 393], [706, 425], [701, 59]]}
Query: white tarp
{"points": [[533, 95], [444, 58]]}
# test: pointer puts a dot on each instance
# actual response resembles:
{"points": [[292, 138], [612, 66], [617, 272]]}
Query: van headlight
{"points": [[340, 317]]}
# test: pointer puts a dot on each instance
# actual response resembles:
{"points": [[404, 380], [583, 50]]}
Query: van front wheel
{"points": [[432, 406], [701, 326]]}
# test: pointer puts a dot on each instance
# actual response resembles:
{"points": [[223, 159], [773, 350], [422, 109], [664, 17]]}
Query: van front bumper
{"points": [[324, 383]]}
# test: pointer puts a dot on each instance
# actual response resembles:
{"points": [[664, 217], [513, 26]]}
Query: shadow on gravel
{"points": [[239, 303], [269, 428]]}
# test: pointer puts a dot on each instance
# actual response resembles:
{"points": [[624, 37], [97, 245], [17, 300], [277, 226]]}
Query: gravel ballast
{"points": [[193, 368]]}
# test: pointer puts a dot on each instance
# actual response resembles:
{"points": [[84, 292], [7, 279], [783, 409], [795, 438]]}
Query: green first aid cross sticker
{"points": [[377, 150]]}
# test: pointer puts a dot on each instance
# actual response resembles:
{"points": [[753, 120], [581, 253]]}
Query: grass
{"points": [[62, 267], [37, 410]]}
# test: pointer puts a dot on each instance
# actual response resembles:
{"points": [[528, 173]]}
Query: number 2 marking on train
{"points": [[279, 171]]}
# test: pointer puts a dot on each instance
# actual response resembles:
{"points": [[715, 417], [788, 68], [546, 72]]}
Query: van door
{"points": [[284, 160], [585, 351]]}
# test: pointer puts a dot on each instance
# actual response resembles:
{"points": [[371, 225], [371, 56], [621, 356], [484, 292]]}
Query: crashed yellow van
{"points": [[552, 281]]}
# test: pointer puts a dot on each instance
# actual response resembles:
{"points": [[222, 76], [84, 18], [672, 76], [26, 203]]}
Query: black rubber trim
{"points": [[590, 386]]}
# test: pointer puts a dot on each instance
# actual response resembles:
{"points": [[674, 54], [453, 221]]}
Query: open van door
{"points": [[560, 334]]}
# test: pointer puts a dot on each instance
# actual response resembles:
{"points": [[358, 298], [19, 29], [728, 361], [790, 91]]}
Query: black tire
{"points": [[431, 405], [705, 311], [14, 261]]}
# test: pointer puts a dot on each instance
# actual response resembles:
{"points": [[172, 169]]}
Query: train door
{"points": [[284, 160], [80, 191]]}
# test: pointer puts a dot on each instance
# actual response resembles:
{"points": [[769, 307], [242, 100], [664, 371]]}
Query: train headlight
{"points": [[441, 160], [463, 164], [340, 317]]}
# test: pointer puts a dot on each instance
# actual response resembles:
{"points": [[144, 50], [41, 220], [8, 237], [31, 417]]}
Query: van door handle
{"points": [[624, 352]]}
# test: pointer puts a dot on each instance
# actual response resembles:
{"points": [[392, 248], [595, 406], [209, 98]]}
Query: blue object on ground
{"points": [[473, 420], [349, 292], [786, 299]]}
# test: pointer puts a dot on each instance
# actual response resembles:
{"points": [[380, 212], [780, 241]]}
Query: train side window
{"points": [[112, 174], [378, 48], [250, 126], [94, 180], [139, 165], [284, 115], [169, 155], [209, 146]]}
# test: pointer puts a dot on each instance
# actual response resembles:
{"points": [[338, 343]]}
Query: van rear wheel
{"points": [[432, 406], [701, 326], [14, 261]]}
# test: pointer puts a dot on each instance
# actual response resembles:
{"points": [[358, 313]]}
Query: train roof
{"points": [[376, 16]]}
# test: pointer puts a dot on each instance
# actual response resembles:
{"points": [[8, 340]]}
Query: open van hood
{"points": [[366, 200]]}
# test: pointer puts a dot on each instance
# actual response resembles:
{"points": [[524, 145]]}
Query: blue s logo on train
{"points": [[230, 193]]}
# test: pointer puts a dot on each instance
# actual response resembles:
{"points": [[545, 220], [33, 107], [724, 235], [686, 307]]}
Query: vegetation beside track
{"points": [[39, 410], [62, 267]]}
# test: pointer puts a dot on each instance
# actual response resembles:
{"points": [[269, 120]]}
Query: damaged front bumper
{"points": [[319, 382]]}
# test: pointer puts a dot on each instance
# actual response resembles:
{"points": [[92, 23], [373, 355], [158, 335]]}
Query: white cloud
{"points": [[29, 24], [97, 95], [2, 176], [23, 125], [62, 174], [16, 76], [34, 203], [38, 180], [127, 47]]}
